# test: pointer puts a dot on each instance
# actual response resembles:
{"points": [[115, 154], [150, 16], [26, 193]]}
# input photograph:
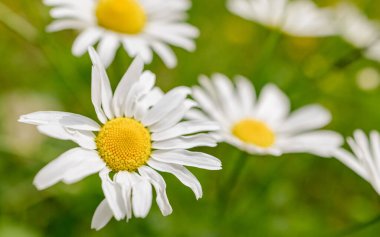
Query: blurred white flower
{"points": [[141, 26], [358, 30], [263, 125], [299, 18], [368, 78], [143, 131], [365, 160]]}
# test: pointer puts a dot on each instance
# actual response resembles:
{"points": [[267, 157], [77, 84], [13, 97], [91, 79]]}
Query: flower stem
{"points": [[225, 191]]}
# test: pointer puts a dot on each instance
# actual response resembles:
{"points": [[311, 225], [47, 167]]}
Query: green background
{"points": [[294, 195]]}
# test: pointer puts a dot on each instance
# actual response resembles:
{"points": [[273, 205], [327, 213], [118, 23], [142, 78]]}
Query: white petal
{"points": [[141, 196], [130, 77], [56, 170], [272, 106], [188, 158], [66, 24], [351, 162], [375, 146], [306, 118], [173, 117], [107, 48], [138, 90], [91, 165], [167, 103], [85, 139], [246, 94], [84, 40], [184, 128], [165, 53], [123, 178], [321, 143], [182, 174], [101, 92], [69, 120], [185, 142], [102, 216], [160, 186], [142, 107], [113, 195]]}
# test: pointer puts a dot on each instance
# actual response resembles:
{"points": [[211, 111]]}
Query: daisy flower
{"points": [[365, 159], [358, 30], [142, 130], [140, 26], [264, 125], [298, 18]]}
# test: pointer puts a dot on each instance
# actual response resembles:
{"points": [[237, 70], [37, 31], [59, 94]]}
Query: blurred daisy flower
{"points": [[263, 125], [142, 131], [141, 26], [365, 160], [298, 18], [358, 30]]}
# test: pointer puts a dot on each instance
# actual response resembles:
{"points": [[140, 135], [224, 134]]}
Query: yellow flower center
{"points": [[124, 144], [254, 132], [124, 16]]}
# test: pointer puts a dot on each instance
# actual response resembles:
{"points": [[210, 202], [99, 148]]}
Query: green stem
{"points": [[267, 52], [361, 226], [228, 187]]}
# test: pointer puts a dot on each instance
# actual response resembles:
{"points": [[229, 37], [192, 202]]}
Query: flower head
{"points": [[143, 130], [264, 125], [141, 26], [297, 18], [365, 159]]}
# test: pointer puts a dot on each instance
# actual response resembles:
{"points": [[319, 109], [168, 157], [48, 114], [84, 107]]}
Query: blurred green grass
{"points": [[295, 195]]}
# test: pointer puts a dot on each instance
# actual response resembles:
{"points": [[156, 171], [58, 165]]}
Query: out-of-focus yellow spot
{"points": [[368, 79], [254, 132], [124, 144], [124, 16]]}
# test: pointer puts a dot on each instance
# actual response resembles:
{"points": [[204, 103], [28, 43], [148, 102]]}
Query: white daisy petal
{"points": [[185, 142], [56, 170], [188, 158], [101, 88], [273, 105], [65, 25], [103, 214], [113, 195], [84, 139], [124, 180], [160, 186], [306, 118], [246, 94], [130, 77], [173, 117], [166, 54], [146, 102], [85, 39], [183, 175], [70, 120], [184, 128], [91, 165], [107, 48], [350, 161], [141, 196], [167, 103], [321, 143]]}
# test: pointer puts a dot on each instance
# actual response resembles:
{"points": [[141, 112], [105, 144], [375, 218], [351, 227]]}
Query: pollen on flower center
{"points": [[124, 16], [124, 144], [254, 132]]}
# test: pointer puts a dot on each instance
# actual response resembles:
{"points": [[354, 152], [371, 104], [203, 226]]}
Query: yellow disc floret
{"points": [[124, 144], [254, 132], [124, 16]]}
